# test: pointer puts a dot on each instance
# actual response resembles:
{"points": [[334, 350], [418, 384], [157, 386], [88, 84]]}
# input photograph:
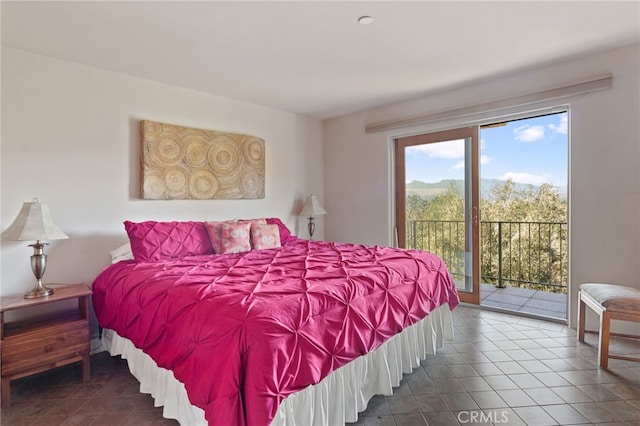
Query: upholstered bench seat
{"points": [[609, 301]]}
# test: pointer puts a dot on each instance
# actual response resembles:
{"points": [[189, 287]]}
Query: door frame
{"points": [[471, 136]]}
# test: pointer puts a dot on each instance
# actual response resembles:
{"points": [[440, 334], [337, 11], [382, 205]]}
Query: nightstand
{"points": [[48, 341]]}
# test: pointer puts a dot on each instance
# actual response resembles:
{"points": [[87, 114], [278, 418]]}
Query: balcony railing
{"points": [[522, 254]]}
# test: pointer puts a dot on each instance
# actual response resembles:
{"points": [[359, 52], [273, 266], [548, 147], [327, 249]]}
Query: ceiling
{"points": [[314, 58]]}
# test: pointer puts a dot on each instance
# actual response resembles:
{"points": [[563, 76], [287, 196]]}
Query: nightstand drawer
{"points": [[46, 346]]}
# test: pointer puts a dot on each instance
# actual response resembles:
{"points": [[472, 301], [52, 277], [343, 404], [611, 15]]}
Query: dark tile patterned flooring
{"points": [[500, 369]]}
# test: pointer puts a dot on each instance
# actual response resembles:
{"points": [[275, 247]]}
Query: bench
{"points": [[609, 301]]}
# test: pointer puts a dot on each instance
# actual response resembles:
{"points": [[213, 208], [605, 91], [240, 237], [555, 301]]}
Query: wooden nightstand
{"points": [[38, 344]]}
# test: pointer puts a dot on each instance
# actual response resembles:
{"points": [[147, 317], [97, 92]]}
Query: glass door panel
{"points": [[436, 201]]}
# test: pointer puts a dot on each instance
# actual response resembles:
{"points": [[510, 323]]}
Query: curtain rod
{"points": [[593, 84]]}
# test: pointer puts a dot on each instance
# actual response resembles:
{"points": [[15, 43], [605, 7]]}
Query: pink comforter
{"points": [[242, 332]]}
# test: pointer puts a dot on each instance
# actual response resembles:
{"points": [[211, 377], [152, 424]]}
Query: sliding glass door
{"points": [[437, 189]]}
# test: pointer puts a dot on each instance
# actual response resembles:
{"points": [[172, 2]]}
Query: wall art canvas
{"points": [[180, 163]]}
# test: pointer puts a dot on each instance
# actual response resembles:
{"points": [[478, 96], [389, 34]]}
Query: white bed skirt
{"points": [[335, 400]]}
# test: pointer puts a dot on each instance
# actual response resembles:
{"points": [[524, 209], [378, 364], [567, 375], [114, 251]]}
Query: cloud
{"points": [[484, 159], [561, 128], [528, 178], [528, 133], [449, 150]]}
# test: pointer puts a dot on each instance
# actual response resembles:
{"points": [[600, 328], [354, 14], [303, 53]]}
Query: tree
{"points": [[523, 232]]}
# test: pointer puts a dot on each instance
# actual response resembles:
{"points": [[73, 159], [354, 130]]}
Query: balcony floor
{"points": [[532, 302]]}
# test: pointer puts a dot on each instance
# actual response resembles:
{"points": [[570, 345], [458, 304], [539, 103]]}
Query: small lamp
{"points": [[311, 209], [34, 222]]}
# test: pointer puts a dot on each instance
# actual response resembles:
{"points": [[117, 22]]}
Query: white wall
{"points": [[604, 162], [70, 137]]}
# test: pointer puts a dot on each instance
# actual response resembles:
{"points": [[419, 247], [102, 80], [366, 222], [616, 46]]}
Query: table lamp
{"points": [[34, 222], [312, 208]]}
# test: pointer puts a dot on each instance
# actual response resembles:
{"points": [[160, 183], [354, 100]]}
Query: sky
{"points": [[531, 151]]}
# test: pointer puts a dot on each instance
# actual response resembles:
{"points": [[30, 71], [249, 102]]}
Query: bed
{"points": [[281, 330]]}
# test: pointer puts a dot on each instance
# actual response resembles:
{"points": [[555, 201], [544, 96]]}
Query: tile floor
{"points": [[500, 369], [533, 302]]}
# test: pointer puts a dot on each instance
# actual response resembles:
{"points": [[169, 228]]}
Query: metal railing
{"points": [[522, 254]]}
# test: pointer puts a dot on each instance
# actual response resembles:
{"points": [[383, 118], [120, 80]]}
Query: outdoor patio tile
{"points": [[500, 305], [542, 312], [516, 291], [547, 305], [547, 295], [507, 299]]}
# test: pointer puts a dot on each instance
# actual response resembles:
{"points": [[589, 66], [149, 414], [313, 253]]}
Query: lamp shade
{"points": [[34, 222], [312, 207]]}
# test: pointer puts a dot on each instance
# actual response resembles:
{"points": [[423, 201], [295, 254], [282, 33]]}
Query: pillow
{"points": [[122, 252], [264, 236], [152, 241], [285, 234], [234, 237], [214, 229]]}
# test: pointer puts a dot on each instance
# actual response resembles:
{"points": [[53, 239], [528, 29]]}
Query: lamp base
{"points": [[38, 265], [311, 227], [38, 291]]}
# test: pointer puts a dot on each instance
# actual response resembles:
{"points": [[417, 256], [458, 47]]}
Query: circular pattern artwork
{"points": [[185, 163], [224, 156], [203, 185]]}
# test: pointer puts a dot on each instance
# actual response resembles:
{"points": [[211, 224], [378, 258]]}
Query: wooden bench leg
{"points": [[603, 345], [581, 318]]}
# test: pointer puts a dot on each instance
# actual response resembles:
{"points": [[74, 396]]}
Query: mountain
{"points": [[433, 189]]}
